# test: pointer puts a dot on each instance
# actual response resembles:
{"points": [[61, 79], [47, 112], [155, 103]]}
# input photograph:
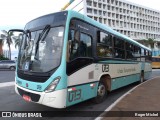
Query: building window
{"points": [[89, 3], [95, 4], [104, 21], [104, 13], [108, 7], [100, 20], [95, 11], [104, 6], [89, 10], [95, 18], [100, 12], [100, 5]]}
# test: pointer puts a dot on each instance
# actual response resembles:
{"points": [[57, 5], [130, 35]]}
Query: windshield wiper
{"points": [[42, 36]]}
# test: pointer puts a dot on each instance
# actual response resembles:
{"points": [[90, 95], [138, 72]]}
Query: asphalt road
{"points": [[10, 101], [7, 76]]}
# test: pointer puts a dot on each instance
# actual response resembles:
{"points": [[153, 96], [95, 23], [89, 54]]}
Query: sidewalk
{"points": [[145, 97]]}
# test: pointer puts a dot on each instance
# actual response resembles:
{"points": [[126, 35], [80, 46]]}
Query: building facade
{"points": [[133, 20], [6, 53]]}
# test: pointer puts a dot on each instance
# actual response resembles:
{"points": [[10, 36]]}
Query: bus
{"points": [[155, 61], [66, 58]]}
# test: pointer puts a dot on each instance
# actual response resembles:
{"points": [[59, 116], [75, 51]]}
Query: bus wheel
{"points": [[101, 93]]}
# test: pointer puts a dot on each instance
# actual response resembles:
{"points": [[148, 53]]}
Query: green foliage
{"points": [[7, 37], [17, 40], [151, 42], [148, 42], [3, 58]]}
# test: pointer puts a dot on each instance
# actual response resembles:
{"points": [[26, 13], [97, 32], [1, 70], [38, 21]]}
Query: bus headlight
{"points": [[53, 85]]}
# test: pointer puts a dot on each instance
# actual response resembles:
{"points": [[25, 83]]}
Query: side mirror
{"points": [[18, 31]]}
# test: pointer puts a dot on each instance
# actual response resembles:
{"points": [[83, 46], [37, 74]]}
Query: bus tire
{"points": [[101, 93], [142, 77]]}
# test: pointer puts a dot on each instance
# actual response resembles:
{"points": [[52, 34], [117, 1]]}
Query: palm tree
{"points": [[7, 37], [1, 44], [148, 42], [18, 41], [144, 42], [151, 42]]}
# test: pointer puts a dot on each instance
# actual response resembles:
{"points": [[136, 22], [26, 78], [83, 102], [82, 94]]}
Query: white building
{"points": [[6, 53], [135, 21]]}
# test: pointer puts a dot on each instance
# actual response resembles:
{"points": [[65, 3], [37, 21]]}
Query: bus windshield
{"points": [[42, 52]]}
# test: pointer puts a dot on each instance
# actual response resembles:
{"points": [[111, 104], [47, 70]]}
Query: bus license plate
{"points": [[27, 98]]}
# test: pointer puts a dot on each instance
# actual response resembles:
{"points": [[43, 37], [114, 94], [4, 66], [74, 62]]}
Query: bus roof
{"points": [[74, 14]]}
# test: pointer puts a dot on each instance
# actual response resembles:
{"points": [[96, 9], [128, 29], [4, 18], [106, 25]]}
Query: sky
{"points": [[16, 13]]}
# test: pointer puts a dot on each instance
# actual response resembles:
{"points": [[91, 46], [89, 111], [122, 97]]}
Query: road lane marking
{"points": [[6, 84], [120, 98]]}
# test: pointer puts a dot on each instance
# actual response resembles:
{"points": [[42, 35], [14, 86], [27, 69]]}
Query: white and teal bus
{"points": [[66, 58]]}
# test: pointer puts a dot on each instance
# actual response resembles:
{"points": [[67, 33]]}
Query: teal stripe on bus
{"points": [[123, 81], [117, 62], [81, 93]]}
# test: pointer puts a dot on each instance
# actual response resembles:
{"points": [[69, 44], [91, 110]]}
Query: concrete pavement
{"points": [[143, 103]]}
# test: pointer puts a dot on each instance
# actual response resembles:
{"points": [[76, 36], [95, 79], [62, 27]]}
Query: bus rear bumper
{"points": [[56, 99]]}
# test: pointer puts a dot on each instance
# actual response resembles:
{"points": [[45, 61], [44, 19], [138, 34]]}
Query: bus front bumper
{"points": [[56, 99]]}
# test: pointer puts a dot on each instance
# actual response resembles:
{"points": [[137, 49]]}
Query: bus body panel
{"points": [[122, 73], [147, 70], [79, 93], [54, 99], [123, 81]]}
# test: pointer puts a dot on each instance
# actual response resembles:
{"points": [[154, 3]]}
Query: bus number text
{"points": [[105, 68], [74, 95]]}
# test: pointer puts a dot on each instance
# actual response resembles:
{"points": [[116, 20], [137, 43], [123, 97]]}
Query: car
{"points": [[8, 64]]}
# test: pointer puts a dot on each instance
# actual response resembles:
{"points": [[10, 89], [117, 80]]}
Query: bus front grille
{"points": [[34, 97]]}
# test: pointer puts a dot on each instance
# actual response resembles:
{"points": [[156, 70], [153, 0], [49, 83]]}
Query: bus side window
{"points": [[137, 53], [142, 54], [69, 44], [104, 45], [73, 44], [85, 49], [119, 48], [129, 50], [150, 56]]}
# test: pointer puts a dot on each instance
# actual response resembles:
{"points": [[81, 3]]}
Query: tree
{"points": [[144, 42], [148, 42], [7, 37], [151, 42], [1, 44], [17, 41], [3, 58]]}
